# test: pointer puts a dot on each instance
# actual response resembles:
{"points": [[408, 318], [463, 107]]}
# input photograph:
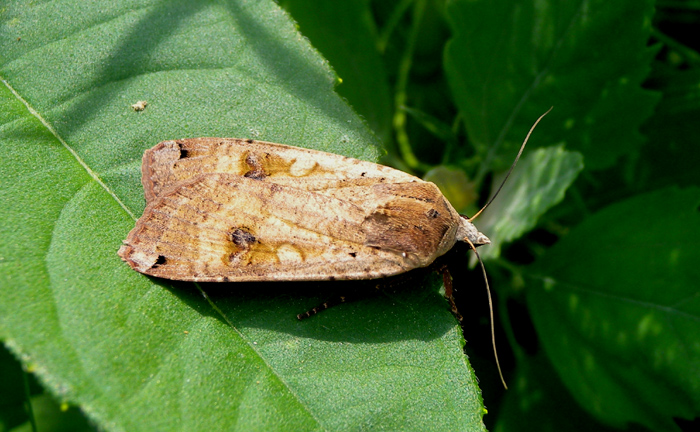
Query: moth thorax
{"points": [[467, 230]]}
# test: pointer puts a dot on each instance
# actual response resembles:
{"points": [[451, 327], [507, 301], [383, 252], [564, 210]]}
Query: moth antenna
{"points": [[493, 327], [517, 158], [481, 263]]}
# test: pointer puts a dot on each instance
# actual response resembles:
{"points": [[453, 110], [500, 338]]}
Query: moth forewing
{"points": [[242, 210], [171, 162]]}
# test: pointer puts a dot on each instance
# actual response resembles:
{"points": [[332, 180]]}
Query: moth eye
{"points": [[432, 213], [353, 254]]}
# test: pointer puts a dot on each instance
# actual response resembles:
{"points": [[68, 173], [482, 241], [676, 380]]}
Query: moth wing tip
{"points": [[124, 250], [138, 260]]}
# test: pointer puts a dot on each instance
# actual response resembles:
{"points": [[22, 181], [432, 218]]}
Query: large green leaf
{"points": [[510, 61], [616, 305], [137, 353]]}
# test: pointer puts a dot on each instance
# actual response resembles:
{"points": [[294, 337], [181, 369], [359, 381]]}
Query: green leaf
{"points": [[433, 125], [51, 417], [338, 29], [669, 156], [537, 184], [12, 393], [136, 353], [510, 61], [616, 306], [541, 403]]}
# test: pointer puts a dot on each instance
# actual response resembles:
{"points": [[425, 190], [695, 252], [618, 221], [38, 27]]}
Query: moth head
{"points": [[467, 231]]}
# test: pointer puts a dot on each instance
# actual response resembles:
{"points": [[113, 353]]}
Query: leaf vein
{"points": [[75, 155]]}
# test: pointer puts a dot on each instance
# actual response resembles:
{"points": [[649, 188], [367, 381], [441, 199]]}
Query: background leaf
{"points": [[336, 29], [510, 61], [13, 394], [538, 184], [541, 402], [669, 159], [617, 310]]}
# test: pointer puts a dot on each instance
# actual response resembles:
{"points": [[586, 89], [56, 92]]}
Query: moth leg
{"points": [[368, 290], [361, 293], [323, 306], [449, 291]]}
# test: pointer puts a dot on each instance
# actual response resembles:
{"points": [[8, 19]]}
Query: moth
{"points": [[236, 210], [240, 210]]}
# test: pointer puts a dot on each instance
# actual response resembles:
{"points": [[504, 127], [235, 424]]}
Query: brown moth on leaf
{"points": [[235, 210], [223, 209]]}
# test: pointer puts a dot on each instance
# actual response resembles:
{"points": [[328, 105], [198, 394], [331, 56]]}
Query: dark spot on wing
{"points": [[183, 151], [241, 242], [242, 238], [432, 213], [255, 175], [159, 262], [257, 170]]}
